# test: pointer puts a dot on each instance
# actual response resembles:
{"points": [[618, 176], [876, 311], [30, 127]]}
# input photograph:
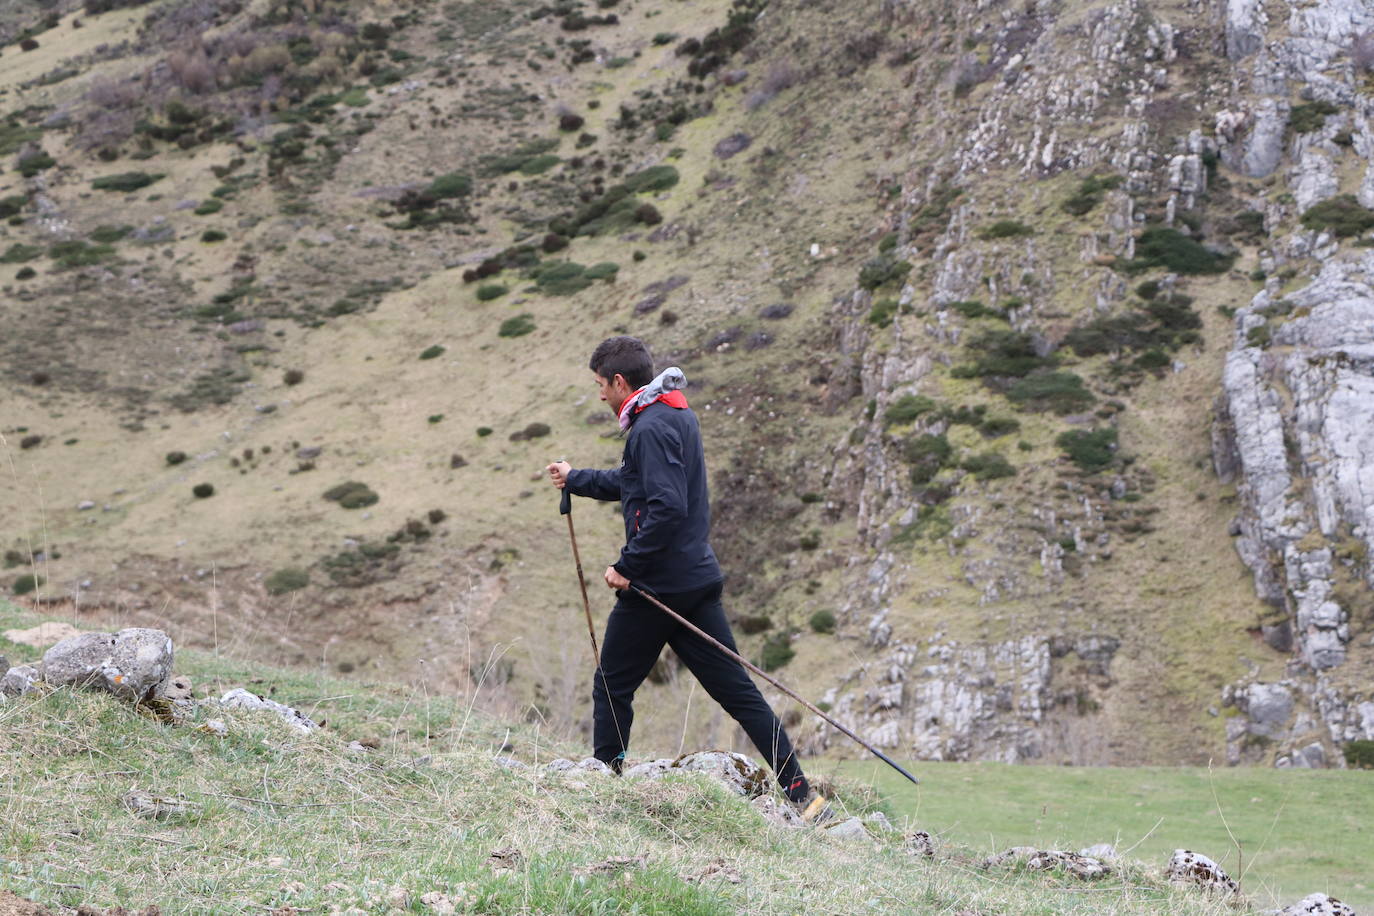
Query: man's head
{"points": [[621, 365]]}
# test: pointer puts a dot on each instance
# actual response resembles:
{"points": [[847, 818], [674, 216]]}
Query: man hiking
{"points": [[661, 484]]}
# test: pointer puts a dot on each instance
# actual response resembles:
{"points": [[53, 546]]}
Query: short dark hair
{"points": [[625, 356]]}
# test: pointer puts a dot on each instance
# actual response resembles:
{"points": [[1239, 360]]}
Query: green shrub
{"points": [[606, 270], [822, 622], [882, 312], [1091, 450], [1306, 118], [108, 235], [25, 273], [175, 458], [203, 490], [213, 235], [988, 466], [77, 253], [531, 431], [971, 309], [654, 178], [34, 163], [1359, 754], [932, 523], [287, 580], [884, 270], [518, 326], [1259, 336], [906, 409], [1171, 249], [777, 651], [125, 181], [213, 205], [488, 291], [1152, 359], [352, 495], [1008, 354], [1342, 215], [454, 184], [538, 165], [999, 426], [665, 38], [12, 205], [510, 162], [18, 253], [927, 454], [432, 352], [1005, 229], [1061, 392], [292, 377], [27, 583], [561, 278], [1089, 194]]}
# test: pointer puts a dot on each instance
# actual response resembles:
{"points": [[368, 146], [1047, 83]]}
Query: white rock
{"points": [[239, 698]]}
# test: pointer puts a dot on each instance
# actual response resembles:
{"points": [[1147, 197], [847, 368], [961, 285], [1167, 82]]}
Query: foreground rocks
{"points": [[132, 664]]}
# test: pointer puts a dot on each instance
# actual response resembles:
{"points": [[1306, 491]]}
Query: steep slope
{"points": [[954, 289]]}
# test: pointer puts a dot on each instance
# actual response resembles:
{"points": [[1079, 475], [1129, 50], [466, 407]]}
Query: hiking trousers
{"points": [[635, 636]]}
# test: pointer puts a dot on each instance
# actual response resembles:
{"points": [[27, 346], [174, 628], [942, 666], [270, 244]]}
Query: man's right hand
{"points": [[558, 472]]}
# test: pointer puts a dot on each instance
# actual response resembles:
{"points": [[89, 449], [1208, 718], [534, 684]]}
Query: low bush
{"points": [[203, 490], [125, 181], [1089, 194], [454, 184], [1004, 354], [1168, 248], [213, 205], [1060, 392], [1005, 229], [1312, 116], [292, 377], [25, 273], [1359, 754], [518, 326], [999, 426], [18, 253], [108, 235], [538, 165], [489, 291], [988, 466], [1342, 215], [352, 495], [27, 583], [927, 454], [531, 431], [433, 352], [822, 622], [77, 253], [882, 313], [286, 580], [777, 651], [605, 270], [654, 178], [1091, 450], [906, 409], [34, 163], [12, 205], [884, 270], [210, 236], [561, 278], [175, 458]]}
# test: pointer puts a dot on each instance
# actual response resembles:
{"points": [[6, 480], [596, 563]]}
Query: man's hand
{"points": [[615, 580], [558, 471]]}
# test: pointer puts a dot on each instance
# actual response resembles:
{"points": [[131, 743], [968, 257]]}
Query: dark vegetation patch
{"points": [[1162, 323], [1170, 249], [518, 326], [1341, 215], [1310, 116], [1005, 229], [1092, 451], [367, 563], [218, 386], [352, 495], [1060, 392], [1089, 193], [285, 580]]}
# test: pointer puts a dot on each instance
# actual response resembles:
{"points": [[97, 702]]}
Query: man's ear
{"points": [[620, 380]]}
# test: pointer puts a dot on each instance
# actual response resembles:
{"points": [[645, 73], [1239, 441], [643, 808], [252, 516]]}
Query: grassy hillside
{"points": [[266, 817]]}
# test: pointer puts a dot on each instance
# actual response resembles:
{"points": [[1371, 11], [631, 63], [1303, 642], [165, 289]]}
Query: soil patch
{"points": [[40, 637]]}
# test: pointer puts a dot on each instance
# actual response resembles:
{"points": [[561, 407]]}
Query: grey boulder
{"points": [[133, 664], [238, 698], [18, 681], [1317, 905]]}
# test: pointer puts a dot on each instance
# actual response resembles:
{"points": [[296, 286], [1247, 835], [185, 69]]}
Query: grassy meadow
{"points": [[1295, 831]]}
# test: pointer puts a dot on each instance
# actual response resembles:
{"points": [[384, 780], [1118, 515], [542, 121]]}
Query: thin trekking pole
{"points": [[778, 684], [565, 509]]}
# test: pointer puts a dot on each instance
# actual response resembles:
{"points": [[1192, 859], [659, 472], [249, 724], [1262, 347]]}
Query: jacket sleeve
{"points": [[659, 456], [595, 484]]}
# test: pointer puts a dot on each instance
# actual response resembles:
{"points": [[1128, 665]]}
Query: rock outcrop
{"points": [[133, 664]]}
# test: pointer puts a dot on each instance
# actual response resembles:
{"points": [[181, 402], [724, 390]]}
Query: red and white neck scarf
{"points": [[664, 388]]}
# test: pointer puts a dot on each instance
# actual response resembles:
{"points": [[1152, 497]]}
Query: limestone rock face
{"points": [[133, 664]]}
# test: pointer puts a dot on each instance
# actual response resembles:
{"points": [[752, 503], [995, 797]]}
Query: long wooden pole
{"points": [[776, 683]]}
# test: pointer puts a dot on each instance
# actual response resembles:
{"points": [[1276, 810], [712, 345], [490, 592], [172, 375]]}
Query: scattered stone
{"points": [[42, 635], [442, 903], [85, 505], [215, 727], [649, 303], [717, 869], [737, 771], [157, 807], [309, 452], [1188, 867], [777, 813], [850, 829], [238, 698], [510, 763], [1104, 851], [919, 843], [733, 145], [776, 312], [133, 664], [1072, 863], [879, 820], [18, 681], [612, 865], [178, 688], [663, 287], [586, 765], [507, 858], [1317, 905], [649, 769]]}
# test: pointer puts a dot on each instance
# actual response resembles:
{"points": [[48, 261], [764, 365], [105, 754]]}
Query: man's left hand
{"points": [[615, 580]]}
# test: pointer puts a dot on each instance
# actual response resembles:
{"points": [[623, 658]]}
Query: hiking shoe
{"points": [[818, 810]]}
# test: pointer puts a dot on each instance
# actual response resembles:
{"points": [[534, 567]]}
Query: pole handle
{"points": [[564, 501]]}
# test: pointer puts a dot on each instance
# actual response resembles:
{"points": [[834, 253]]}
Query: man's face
{"points": [[613, 391]]}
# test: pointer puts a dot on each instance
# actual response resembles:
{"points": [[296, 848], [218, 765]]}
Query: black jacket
{"points": [[661, 484]]}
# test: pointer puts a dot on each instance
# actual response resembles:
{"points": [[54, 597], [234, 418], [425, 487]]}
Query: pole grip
{"points": [[564, 501]]}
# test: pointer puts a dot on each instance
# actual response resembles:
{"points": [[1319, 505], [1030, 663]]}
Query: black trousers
{"points": [[636, 634]]}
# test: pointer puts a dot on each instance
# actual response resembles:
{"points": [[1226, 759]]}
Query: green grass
{"points": [[1301, 831], [275, 818]]}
